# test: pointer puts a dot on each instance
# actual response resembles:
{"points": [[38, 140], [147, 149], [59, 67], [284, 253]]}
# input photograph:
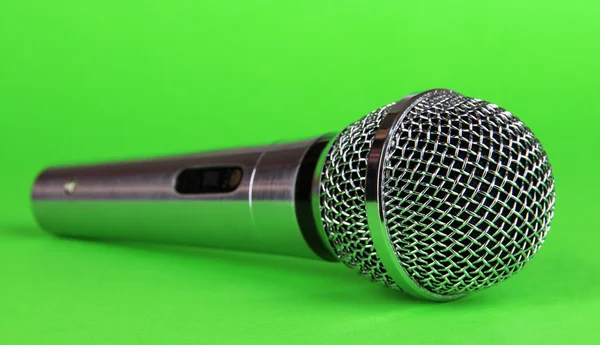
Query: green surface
{"points": [[84, 81]]}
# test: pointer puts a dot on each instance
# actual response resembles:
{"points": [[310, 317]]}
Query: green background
{"points": [[84, 81]]}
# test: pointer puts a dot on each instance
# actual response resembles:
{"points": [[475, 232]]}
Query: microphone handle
{"points": [[261, 199]]}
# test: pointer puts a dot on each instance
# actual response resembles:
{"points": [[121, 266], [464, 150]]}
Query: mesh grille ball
{"points": [[467, 194]]}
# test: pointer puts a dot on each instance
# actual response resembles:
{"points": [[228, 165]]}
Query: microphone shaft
{"points": [[252, 199]]}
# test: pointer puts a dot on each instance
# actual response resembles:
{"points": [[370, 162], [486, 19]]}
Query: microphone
{"points": [[438, 195]]}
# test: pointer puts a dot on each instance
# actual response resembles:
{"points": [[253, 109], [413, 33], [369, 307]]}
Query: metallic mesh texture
{"points": [[468, 194], [343, 197]]}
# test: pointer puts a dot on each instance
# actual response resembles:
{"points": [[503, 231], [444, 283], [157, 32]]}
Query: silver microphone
{"points": [[437, 195]]}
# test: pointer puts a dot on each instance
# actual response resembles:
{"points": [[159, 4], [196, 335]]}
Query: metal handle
{"points": [[264, 205]]}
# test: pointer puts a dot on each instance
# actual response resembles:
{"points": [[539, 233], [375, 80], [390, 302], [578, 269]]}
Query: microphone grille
{"points": [[467, 194], [342, 194]]}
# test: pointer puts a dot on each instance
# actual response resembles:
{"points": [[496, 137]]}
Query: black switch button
{"points": [[208, 180]]}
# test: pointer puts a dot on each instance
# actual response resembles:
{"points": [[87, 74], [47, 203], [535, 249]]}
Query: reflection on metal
{"points": [[438, 195]]}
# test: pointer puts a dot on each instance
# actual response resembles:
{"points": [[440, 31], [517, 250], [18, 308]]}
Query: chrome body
{"points": [[137, 200]]}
